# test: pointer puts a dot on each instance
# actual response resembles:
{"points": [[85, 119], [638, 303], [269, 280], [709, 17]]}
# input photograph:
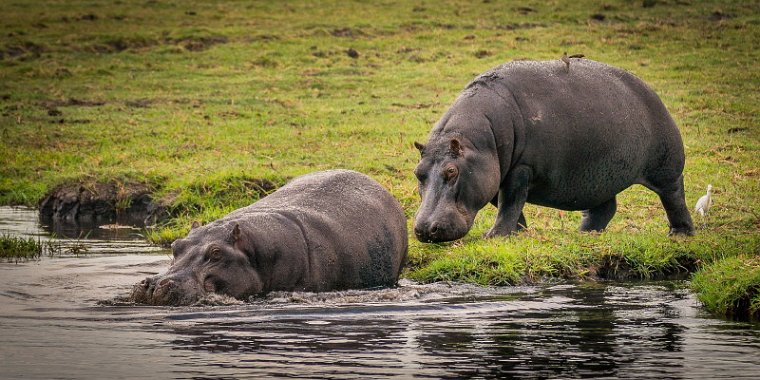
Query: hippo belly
{"points": [[330, 230], [582, 174]]}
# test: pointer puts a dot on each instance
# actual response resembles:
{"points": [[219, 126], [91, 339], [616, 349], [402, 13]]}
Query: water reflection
{"points": [[53, 326], [112, 229], [605, 331], [422, 331], [105, 236]]}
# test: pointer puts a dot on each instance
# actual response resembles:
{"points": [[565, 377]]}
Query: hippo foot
{"points": [[498, 232], [681, 231], [502, 229]]}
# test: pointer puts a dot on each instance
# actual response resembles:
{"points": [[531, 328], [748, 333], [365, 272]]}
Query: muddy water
{"points": [[54, 324]]}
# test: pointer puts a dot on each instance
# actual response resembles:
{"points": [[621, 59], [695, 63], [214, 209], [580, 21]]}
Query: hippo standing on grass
{"points": [[329, 230], [568, 137]]}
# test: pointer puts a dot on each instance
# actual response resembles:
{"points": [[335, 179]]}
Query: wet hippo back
{"points": [[349, 223], [330, 230]]}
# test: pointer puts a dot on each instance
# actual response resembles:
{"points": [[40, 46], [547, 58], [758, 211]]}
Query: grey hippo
{"points": [[328, 230], [567, 137]]}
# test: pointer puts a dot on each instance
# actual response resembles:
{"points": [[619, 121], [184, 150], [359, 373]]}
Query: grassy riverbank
{"points": [[731, 287], [205, 101]]}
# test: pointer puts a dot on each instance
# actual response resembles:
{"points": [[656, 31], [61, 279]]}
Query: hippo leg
{"points": [[521, 222], [512, 197], [674, 201], [597, 218]]}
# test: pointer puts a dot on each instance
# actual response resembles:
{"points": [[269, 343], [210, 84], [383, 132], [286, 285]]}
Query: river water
{"points": [[61, 318]]}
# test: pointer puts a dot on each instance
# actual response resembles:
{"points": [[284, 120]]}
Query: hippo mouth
{"points": [[164, 292], [438, 234], [451, 227]]}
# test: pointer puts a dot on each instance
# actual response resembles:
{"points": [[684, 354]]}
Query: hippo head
{"points": [[455, 179], [205, 262]]}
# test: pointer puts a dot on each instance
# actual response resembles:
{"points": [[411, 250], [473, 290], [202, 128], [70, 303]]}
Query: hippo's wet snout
{"points": [[148, 285], [427, 232], [163, 289], [143, 291]]}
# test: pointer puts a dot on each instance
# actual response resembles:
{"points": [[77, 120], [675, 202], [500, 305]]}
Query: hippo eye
{"points": [[213, 255], [420, 175], [450, 172]]}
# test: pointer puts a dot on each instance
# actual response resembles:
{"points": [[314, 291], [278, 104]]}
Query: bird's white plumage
{"points": [[705, 202]]}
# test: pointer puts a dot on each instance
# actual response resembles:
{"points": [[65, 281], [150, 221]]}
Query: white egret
{"points": [[704, 203]]}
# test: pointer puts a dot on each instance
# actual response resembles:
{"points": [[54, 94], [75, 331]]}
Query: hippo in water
{"points": [[329, 230], [568, 137]]}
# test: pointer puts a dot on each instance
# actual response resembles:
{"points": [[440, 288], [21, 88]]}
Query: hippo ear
{"points": [[234, 234], [419, 147], [456, 148], [195, 225]]}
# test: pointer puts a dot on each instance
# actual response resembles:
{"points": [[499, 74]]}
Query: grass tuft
{"points": [[731, 287], [17, 248], [14, 248]]}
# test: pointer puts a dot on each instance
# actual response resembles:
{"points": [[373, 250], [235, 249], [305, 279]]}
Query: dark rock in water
{"points": [[102, 203]]}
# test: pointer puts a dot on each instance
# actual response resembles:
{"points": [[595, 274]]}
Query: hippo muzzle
{"points": [[440, 228], [166, 291]]}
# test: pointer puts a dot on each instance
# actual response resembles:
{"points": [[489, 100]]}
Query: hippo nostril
{"points": [[434, 229]]}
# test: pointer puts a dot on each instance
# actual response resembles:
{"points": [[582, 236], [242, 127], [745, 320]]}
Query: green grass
{"points": [[203, 100], [731, 287], [537, 256], [16, 248]]}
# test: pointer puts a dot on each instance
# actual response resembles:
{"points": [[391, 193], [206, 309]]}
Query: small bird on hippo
{"points": [[566, 59]]}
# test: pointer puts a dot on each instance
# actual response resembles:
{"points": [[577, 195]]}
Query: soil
{"points": [[23, 50], [200, 43], [130, 204]]}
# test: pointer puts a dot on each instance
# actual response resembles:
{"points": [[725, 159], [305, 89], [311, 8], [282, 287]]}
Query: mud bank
{"points": [[131, 204]]}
